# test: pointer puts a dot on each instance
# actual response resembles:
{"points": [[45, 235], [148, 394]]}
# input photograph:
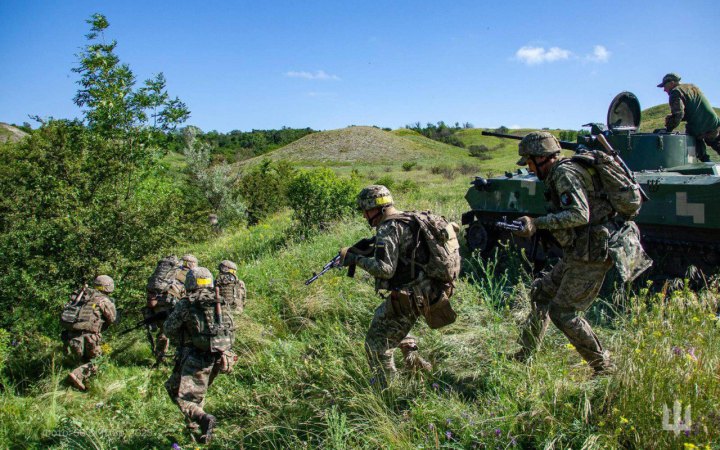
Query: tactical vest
{"points": [[203, 328], [83, 315], [232, 290]]}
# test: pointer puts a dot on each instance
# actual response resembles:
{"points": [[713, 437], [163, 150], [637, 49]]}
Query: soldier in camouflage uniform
{"points": [[581, 222], [204, 333], [89, 312], [688, 103], [230, 287], [390, 266]]}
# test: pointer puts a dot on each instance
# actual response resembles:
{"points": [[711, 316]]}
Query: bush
{"points": [[479, 151], [386, 180], [319, 196], [265, 188], [409, 165], [406, 186]]}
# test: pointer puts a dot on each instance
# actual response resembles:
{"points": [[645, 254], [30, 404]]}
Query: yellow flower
{"points": [[569, 346], [106, 348], [689, 446], [623, 420], [657, 334], [696, 319]]}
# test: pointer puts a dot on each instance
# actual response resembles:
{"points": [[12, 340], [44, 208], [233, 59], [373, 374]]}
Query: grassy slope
{"points": [[654, 118], [302, 380]]}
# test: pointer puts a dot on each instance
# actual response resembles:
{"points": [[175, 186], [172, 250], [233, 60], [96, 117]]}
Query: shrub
{"points": [[319, 196], [264, 188], [406, 186], [409, 165], [468, 169], [386, 180], [479, 151]]}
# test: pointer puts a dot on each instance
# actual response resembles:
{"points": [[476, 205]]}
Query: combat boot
{"points": [[207, 425], [413, 360], [606, 369], [76, 382]]}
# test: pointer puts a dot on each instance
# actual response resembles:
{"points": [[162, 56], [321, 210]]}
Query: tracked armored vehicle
{"points": [[679, 224]]}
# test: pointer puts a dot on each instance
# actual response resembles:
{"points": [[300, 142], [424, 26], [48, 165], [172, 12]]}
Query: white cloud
{"points": [[600, 54], [538, 55], [317, 75], [515, 127]]}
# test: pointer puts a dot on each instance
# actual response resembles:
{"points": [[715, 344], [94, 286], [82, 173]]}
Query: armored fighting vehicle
{"points": [[679, 224]]}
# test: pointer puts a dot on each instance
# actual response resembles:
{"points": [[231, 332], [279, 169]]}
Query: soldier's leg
{"points": [[75, 349], [194, 381], [713, 140], [92, 349], [580, 285], [387, 329], [534, 329], [162, 344], [701, 150]]}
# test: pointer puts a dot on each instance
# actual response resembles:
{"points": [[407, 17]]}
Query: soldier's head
{"points": [[227, 266], [198, 278], [189, 261], [104, 283], [538, 150], [373, 202], [669, 82]]}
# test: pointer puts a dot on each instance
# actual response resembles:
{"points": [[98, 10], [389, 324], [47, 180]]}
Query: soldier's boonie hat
{"points": [[104, 283], [374, 196], [228, 266], [199, 278], [537, 143], [189, 261], [672, 76]]}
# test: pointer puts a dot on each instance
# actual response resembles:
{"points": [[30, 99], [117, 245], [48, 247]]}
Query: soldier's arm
{"points": [[107, 308], [677, 110], [174, 323], [387, 252], [574, 206]]}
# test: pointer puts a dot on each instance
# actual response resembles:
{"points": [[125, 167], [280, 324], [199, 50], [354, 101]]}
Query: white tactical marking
{"points": [[530, 185], [683, 208]]}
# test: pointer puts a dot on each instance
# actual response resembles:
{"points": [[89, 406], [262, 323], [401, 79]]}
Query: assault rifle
{"points": [[155, 318], [362, 247], [515, 225]]}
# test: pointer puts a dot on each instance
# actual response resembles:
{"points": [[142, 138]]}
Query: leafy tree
{"points": [[265, 188], [319, 196], [84, 197]]}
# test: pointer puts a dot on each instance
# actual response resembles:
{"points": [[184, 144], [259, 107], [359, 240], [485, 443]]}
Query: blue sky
{"points": [[329, 64]]}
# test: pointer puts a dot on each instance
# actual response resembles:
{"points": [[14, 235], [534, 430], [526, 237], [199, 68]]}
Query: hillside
{"points": [[654, 118], [363, 145], [9, 133]]}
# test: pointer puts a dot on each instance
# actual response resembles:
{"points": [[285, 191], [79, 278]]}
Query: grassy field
{"points": [[302, 380]]}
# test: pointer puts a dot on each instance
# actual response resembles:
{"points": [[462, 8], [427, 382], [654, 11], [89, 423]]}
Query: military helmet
{"points": [[374, 196], [189, 261], [672, 76], [537, 143], [227, 266], [198, 278], [104, 283]]}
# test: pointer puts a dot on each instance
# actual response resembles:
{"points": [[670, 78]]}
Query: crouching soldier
{"points": [[205, 334], [89, 312], [230, 287]]}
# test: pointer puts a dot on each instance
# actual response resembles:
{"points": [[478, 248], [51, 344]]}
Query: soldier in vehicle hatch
{"points": [[581, 223], [688, 103]]}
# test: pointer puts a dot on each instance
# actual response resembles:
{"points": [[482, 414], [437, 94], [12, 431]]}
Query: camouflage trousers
{"points": [[711, 138], [193, 374], [389, 330], [570, 287], [82, 348]]}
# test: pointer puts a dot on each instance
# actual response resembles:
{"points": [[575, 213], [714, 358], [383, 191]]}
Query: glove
{"points": [[346, 257], [529, 227]]}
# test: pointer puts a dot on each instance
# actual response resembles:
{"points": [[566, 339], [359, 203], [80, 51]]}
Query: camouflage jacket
{"points": [[390, 264], [97, 311], [688, 103], [579, 216]]}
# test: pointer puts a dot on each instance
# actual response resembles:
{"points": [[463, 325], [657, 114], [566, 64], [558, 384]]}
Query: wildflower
{"points": [[435, 386], [175, 446], [498, 432], [569, 346], [372, 381], [691, 352], [624, 420], [513, 442], [448, 434], [677, 350], [687, 433], [689, 446], [14, 343], [431, 426], [448, 421]]}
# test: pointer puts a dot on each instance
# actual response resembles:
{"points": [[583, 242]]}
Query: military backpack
{"points": [[210, 328], [231, 289], [165, 274], [440, 239], [81, 312], [616, 185]]}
